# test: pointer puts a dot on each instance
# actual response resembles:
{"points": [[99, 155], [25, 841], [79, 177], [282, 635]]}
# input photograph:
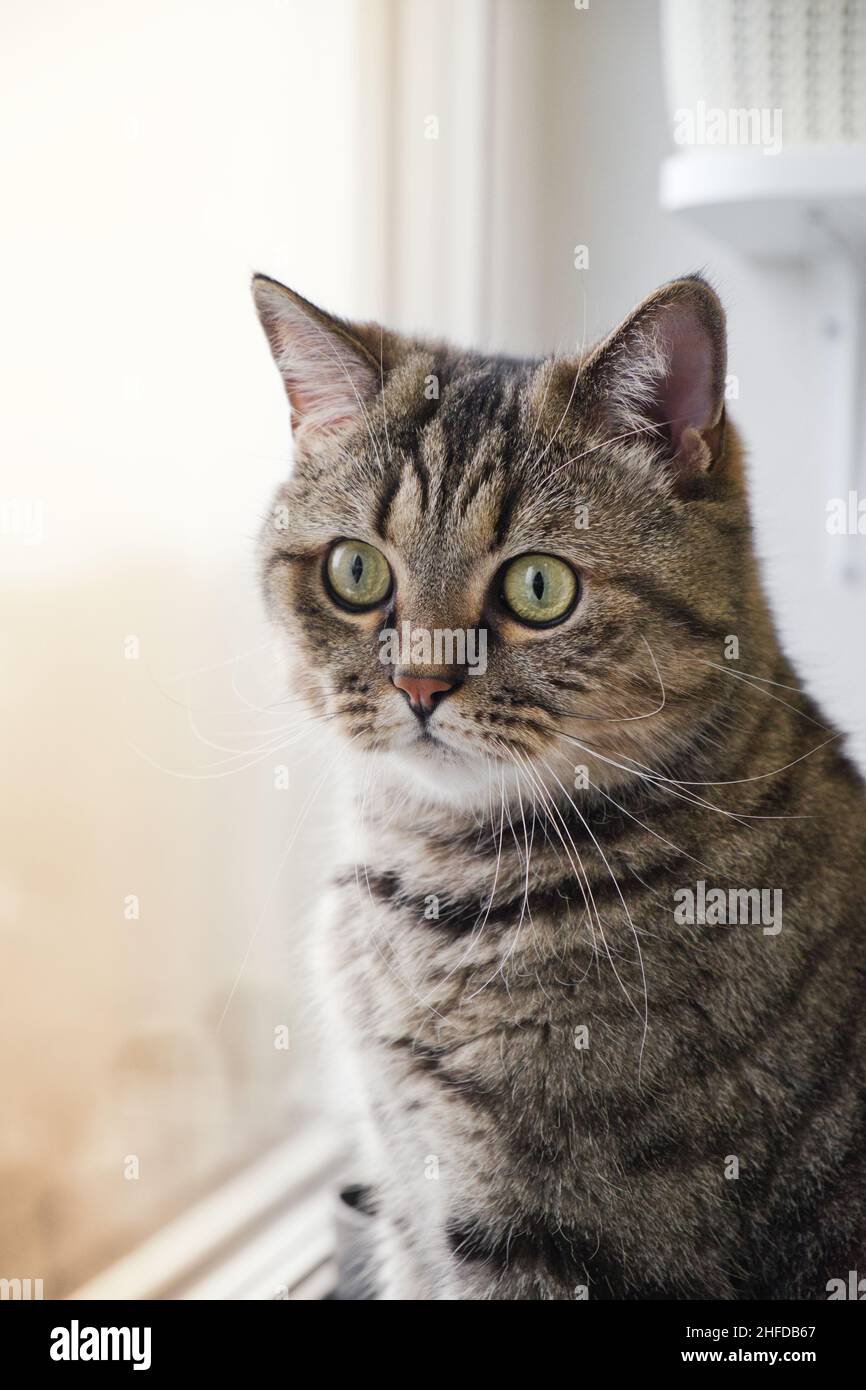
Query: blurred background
{"points": [[514, 174]]}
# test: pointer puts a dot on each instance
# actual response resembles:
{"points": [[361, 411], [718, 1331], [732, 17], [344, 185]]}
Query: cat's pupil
{"points": [[538, 584], [357, 569]]}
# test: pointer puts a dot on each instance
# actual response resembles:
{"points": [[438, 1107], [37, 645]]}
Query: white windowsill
{"points": [[267, 1233]]}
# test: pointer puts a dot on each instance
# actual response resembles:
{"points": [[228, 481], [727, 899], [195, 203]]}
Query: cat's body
{"points": [[520, 1165], [573, 1092]]}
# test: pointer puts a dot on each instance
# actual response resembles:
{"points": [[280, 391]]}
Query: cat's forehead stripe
{"points": [[453, 474]]}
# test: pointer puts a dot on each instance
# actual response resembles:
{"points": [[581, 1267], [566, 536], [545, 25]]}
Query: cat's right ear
{"points": [[327, 372], [659, 380]]}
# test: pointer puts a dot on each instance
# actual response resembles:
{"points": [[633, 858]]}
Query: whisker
{"points": [[667, 784], [651, 428], [259, 757], [629, 718], [743, 676], [613, 878], [581, 876]]}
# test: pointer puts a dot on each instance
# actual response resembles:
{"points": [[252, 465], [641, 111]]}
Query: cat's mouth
{"points": [[446, 765], [431, 745], [426, 735]]}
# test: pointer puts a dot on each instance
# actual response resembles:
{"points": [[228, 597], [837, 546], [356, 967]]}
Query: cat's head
{"points": [[491, 564]]}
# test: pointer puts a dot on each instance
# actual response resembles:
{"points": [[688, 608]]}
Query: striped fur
{"points": [[513, 1162]]}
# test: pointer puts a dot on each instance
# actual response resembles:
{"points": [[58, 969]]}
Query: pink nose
{"points": [[423, 692]]}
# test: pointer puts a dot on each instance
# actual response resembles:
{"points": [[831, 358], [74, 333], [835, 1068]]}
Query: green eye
{"points": [[358, 574], [539, 589]]}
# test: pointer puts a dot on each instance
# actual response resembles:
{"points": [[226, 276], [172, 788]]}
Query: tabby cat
{"points": [[598, 944]]}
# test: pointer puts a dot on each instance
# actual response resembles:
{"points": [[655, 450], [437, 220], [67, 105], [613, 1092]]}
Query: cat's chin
{"points": [[432, 771]]}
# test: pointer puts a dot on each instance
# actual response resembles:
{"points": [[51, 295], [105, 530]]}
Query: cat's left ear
{"points": [[328, 372], [661, 374]]}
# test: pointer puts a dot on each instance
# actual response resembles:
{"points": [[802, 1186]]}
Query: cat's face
{"points": [[489, 568]]}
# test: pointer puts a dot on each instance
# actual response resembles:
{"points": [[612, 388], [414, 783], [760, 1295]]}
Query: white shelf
{"points": [[805, 205], [799, 204]]}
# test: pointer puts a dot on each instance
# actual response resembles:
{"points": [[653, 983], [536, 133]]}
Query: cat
{"points": [[578, 1086]]}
